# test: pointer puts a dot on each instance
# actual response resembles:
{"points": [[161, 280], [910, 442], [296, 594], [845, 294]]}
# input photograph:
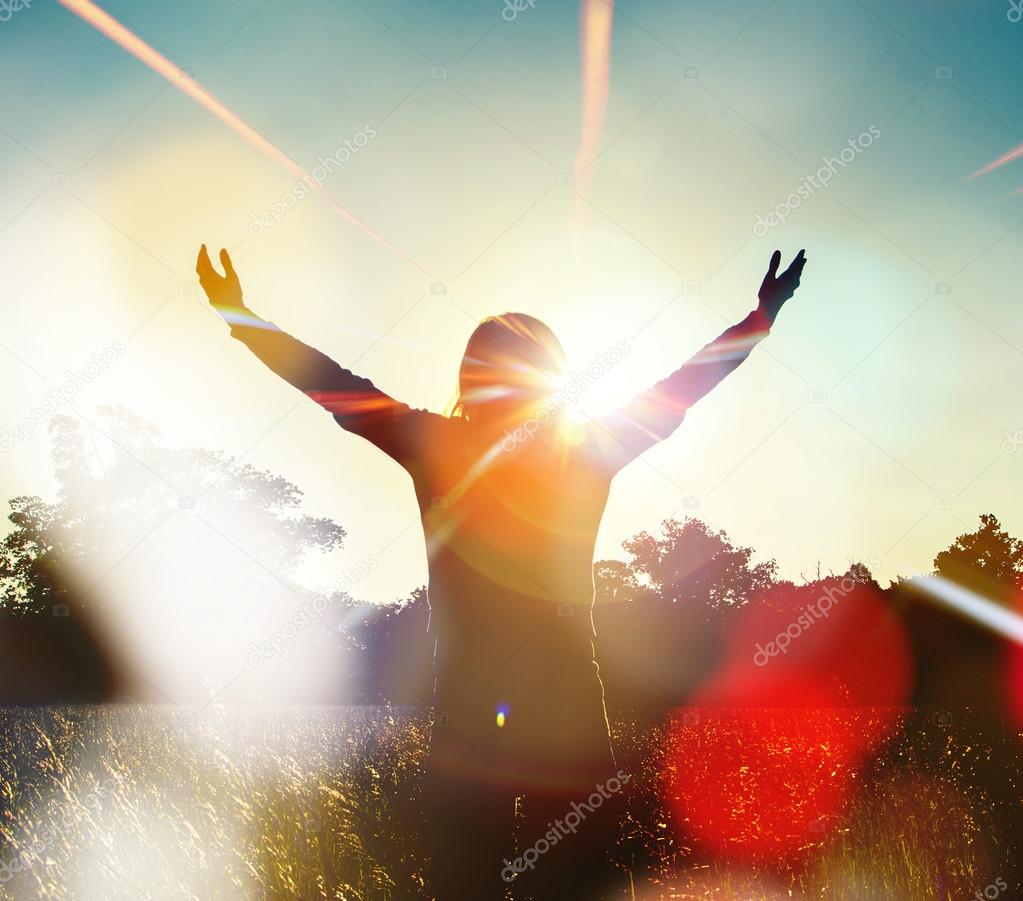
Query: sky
{"points": [[881, 417]]}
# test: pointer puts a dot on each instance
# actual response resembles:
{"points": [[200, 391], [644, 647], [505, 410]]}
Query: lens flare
{"points": [[973, 606], [765, 761], [596, 19], [502, 715], [108, 26]]}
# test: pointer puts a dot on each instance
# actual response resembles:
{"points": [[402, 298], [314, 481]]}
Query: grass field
{"points": [[135, 802]]}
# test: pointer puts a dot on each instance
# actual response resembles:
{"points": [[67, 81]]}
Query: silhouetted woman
{"points": [[511, 496]]}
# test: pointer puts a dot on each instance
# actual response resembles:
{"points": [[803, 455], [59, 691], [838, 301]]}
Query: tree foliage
{"points": [[191, 552], [988, 560], [210, 533]]}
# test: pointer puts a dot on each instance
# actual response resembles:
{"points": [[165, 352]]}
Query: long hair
{"points": [[509, 359]]}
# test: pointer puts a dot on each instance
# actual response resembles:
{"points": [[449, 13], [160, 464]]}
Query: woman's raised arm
{"points": [[656, 413], [356, 403]]}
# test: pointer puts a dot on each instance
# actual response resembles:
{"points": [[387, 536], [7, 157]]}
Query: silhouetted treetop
{"points": [[988, 560], [691, 561]]}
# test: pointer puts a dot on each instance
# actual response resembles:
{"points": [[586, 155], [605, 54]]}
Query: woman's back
{"points": [[510, 529]]}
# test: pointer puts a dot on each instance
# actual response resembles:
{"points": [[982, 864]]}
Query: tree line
{"points": [[680, 604]]}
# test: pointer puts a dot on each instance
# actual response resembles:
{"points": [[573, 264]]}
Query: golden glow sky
{"points": [[871, 424]]}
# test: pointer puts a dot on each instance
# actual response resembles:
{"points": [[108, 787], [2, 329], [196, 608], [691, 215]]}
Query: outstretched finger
{"points": [[225, 261], [797, 264], [203, 266], [772, 270]]}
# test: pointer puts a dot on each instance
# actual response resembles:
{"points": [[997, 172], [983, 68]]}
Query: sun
{"points": [[595, 382]]}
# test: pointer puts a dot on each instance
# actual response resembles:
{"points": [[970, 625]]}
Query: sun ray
{"points": [[1009, 157], [108, 26], [596, 20]]}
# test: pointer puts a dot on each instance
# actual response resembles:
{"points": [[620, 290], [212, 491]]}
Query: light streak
{"points": [[973, 606], [596, 20], [1013, 154], [108, 26]]}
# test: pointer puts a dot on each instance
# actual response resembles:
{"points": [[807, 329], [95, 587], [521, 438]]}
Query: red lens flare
{"points": [[763, 764]]}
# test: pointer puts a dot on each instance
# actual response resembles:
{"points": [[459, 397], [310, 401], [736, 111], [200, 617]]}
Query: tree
{"points": [[184, 559], [397, 662], [691, 563], [988, 560], [616, 582], [34, 558], [661, 616]]}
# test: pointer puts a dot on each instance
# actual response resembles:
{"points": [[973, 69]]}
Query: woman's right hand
{"points": [[222, 290], [777, 289]]}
